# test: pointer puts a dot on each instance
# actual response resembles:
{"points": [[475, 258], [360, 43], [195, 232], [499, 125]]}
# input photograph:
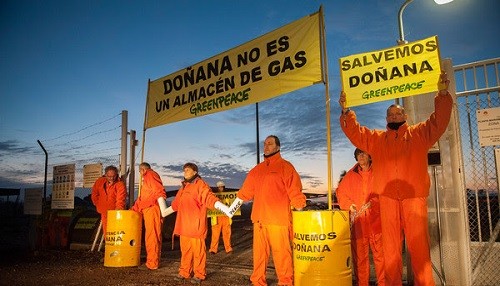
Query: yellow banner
{"points": [[287, 59], [226, 198], [401, 71]]}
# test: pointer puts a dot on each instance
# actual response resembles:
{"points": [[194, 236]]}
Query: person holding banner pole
{"points": [[108, 193], [150, 203], [221, 224], [401, 179], [275, 187]]}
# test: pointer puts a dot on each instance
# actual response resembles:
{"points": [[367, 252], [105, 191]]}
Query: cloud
{"points": [[14, 147], [210, 171]]}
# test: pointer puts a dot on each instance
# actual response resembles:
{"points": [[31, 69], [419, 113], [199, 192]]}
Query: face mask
{"points": [[267, 156], [395, 125]]}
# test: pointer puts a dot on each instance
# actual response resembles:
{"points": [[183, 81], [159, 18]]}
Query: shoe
{"points": [[229, 252], [213, 252], [196, 280], [179, 277]]}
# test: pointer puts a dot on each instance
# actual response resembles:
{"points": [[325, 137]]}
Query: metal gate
{"points": [[477, 90]]}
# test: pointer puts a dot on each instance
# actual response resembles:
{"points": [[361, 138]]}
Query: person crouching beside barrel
{"points": [[108, 193], [355, 193], [152, 196]]}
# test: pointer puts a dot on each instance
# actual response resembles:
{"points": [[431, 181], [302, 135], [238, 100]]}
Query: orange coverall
{"points": [[356, 188], [147, 204], [274, 186], [107, 196], [221, 224], [401, 178], [191, 203]]}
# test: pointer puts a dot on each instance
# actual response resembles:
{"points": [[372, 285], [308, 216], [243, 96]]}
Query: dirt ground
{"points": [[83, 267]]}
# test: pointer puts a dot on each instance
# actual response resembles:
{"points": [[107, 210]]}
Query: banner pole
{"points": [[324, 69], [144, 135]]}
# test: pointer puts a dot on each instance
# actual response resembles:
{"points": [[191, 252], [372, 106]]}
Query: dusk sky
{"points": [[68, 68]]}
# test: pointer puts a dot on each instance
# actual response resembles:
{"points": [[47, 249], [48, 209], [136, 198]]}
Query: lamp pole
{"points": [[401, 40]]}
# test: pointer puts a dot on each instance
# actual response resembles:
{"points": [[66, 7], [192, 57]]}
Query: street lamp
{"points": [[402, 40], [441, 2]]}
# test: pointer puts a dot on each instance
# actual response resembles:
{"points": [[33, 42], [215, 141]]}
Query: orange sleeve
{"points": [[343, 192], [246, 191], [294, 187], [360, 136], [99, 199], [437, 122], [175, 201], [207, 197], [95, 194]]}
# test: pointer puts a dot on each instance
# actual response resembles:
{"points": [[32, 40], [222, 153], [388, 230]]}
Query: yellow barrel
{"points": [[322, 248], [123, 239]]}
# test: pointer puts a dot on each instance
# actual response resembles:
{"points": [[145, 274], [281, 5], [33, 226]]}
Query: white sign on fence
{"points": [[33, 201], [488, 126], [91, 172], [63, 187]]}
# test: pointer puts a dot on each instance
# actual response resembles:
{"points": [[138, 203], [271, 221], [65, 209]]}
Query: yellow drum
{"points": [[123, 239], [322, 248]]}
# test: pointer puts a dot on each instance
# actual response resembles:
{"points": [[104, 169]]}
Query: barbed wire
{"points": [[97, 143], [83, 129], [83, 138]]}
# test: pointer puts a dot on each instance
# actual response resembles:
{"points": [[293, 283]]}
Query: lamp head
{"points": [[441, 2]]}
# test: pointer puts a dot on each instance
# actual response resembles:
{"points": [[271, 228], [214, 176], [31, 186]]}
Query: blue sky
{"points": [[68, 68]]}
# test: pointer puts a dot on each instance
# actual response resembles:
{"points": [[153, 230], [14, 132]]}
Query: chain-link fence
{"points": [[477, 87], [98, 142]]}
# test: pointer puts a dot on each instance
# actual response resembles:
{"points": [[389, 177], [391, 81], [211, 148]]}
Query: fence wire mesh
{"points": [[477, 87]]}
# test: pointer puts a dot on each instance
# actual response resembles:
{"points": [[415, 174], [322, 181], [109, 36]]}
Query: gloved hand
{"points": [[352, 208], [167, 212], [163, 207], [234, 207], [223, 208]]}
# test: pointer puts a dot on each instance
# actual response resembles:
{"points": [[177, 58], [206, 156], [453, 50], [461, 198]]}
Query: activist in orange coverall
{"points": [[274, 186], [108, 193], [221, 224], [401, 179], [191, 203], [355, 193], [147, 204]]}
